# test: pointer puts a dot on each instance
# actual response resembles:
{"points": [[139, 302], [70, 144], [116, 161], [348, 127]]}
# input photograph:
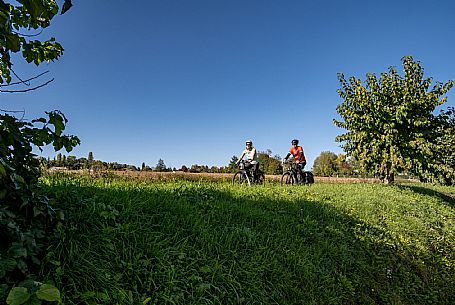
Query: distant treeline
{"points": [[270, 164], [327, 164]]}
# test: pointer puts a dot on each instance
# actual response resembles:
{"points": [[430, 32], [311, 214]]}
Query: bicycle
{"points": [[294, 175], [246, 176]]}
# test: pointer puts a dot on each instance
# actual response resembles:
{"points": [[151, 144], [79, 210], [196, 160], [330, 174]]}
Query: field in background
{"points": [[213, 176], [136, 240]]}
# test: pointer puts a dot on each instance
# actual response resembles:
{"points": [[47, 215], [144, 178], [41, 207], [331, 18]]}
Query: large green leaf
{"points": [[49, 293], [57, 120], [17, 296], [2, 171], [17, 250]]}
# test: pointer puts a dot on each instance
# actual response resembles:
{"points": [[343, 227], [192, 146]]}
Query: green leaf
{"points": [[9, 264], [13, 43], [17, 296], [48, 293], [3, 193], [57, 120], [2, 170], [17, 250], [34, 300], [66, 6]]}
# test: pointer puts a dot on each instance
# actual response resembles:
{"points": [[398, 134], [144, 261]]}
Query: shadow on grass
{"points": [[449, 199], [200, 244]]}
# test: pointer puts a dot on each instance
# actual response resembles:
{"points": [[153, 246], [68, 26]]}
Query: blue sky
{"points": [[189, 81]]}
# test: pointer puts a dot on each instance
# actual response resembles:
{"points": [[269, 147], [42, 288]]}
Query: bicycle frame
{"points": [[247, 175]]}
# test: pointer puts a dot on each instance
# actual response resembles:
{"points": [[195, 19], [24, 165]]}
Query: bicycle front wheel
{"points": [[287, 178], [240, 179]]}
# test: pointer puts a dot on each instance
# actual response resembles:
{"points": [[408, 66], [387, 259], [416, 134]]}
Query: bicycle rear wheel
{"points": [[240, 179], [309, 177], [287, 178]]}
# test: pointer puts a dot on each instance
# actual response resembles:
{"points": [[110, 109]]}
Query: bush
{"points": [[26, 218]]}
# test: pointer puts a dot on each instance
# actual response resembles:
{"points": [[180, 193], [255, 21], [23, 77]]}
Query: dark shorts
{"points": [[301, 165], [255, 167]]}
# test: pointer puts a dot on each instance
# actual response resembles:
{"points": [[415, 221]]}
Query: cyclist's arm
{"points": [[300, 156], [287, 156], [240, 158], [254, 154]]}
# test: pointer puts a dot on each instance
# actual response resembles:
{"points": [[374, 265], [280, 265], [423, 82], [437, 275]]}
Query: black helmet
{"points": [[248, 142], [295, 141]]}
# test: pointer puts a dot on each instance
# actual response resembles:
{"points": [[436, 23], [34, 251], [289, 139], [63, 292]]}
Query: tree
{"points": [[325, 164], [25, 216], [143, 166], [90, 157], [443, 151], [232, 164], [26, 16], [59, 159], [390, 122], [160, 166], [270, 164]]}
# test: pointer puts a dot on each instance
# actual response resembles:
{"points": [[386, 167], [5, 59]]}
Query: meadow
{"points": [[126, 240]]}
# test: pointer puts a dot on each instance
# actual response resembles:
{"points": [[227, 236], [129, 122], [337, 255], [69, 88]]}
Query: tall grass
{"points": [[188, 242]]}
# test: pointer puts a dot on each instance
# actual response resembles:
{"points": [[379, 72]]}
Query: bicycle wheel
{"points": [[287, 178], [241, 179], [260, 178], [309, 177]]}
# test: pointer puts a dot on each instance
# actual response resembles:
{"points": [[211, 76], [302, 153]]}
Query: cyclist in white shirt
{"points": [[251, 156]]}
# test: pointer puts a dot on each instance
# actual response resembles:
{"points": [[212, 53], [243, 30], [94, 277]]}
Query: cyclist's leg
{"points": [[302, 172]]}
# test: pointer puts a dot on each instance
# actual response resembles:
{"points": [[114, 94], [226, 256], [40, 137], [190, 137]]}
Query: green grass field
{"points": [[138, 241]]}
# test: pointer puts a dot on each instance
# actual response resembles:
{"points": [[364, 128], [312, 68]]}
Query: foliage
{"points": [[270, 165], [390, 122], [160, 166], [74, 163], [325, 164], [90, 157], [25, 216], [129, 241], [31, 292], [27, 15], [233, 164], [329, 164], [443, 151]]}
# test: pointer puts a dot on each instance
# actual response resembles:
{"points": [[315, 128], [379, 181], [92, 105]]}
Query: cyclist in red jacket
{"points": [[297, 152]]}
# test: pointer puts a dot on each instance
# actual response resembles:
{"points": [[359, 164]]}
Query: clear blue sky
{"points": [[189, 81]]}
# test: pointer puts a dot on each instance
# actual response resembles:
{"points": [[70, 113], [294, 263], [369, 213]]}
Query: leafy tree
{"points": [[160, 166], [232, 164], [59, 159], [270, 164], [26, 15], [25, 216], [90, 157], [325, 164], [390, 122], [443, 151]]}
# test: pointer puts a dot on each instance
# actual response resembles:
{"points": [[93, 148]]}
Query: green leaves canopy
{"points": [[27, 15], [390, 122]]}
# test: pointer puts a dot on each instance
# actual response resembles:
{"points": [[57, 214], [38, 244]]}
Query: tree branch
{"points": [[26, 90], [28, 35], [24, 81], [15, 111]]}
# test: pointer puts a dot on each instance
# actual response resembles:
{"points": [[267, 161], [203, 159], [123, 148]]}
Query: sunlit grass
{"points": [[189, 242]]}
